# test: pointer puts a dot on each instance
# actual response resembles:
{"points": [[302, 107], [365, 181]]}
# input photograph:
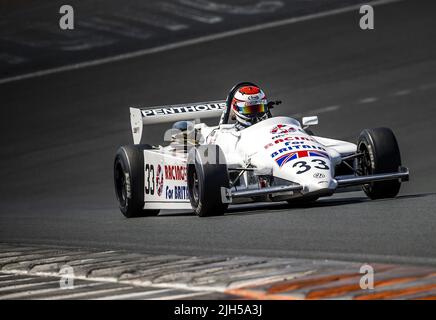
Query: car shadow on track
{"points": [[418, 195], [321, 203], [267, 207]]}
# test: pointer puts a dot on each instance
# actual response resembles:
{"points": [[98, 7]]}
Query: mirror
{"points": [[310, 121]]}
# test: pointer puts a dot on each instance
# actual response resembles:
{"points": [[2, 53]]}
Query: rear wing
{"points": [[163, 114]]}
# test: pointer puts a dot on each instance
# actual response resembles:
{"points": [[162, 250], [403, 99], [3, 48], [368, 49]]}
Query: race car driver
{"points": [[249, 106]]}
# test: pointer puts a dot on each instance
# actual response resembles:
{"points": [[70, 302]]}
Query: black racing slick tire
{"points": [[129, 180], [206, 174], [380, 154]]}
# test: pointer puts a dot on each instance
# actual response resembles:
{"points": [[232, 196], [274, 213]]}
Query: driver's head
{"points": [[249, 105]]}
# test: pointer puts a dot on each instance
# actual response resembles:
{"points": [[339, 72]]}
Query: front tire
{"points": [[380, 154], [207, 173], [129, 181]]}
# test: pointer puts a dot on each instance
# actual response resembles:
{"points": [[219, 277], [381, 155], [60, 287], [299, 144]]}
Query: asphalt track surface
{"points": [[59, 134], [32, 41]]}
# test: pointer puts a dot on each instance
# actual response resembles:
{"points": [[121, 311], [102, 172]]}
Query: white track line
{"points": [[190, 42], [27, 285], [368, 100], [403, 92], [133, 295], [318, 111], [14, 281], [83, 295], [129, 284], [57, 289]]}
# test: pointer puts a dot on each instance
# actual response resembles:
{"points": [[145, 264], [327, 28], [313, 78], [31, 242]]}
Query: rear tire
{"points": [[207, 173], [381, 154], [129, 181]]}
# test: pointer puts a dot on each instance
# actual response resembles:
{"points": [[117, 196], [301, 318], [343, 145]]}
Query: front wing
{"points": [[165, 182]]}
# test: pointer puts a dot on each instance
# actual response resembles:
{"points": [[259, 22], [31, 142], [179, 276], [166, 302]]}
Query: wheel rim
{"points": [[365, 165], [365, 161], [195, 187], [121, 187]]}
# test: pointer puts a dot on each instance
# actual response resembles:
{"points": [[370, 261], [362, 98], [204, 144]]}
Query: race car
{"points": [[206, 168]]}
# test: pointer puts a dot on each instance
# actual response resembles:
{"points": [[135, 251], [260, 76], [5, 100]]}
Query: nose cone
{"points": [[316, 181], [317, 185]]}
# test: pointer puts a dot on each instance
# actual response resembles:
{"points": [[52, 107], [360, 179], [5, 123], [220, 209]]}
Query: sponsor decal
{"points": [[287, 140], [282, 135], [177, 192], [183, 109], [283, 159], [304, 166], [297, 148], [283, 128], [173, 172], [279, 136], [254, 102], [319, 175], [159, 180], [149, 182]]}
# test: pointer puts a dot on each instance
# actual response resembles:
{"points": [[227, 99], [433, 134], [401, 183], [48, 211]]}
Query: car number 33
{"points": [[304, 166]]}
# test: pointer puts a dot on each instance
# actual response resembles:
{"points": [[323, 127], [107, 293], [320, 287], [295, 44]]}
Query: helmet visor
{"points": [[248, 109]]}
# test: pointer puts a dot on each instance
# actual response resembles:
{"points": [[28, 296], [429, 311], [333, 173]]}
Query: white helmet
{"points": [[249, 104]]}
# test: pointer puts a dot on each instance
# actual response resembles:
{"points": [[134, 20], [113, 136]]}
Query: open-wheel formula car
{"points": [[206, 168]]}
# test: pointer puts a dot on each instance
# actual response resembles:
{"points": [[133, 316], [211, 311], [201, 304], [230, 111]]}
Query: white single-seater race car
{"points": [[206, 168]]}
